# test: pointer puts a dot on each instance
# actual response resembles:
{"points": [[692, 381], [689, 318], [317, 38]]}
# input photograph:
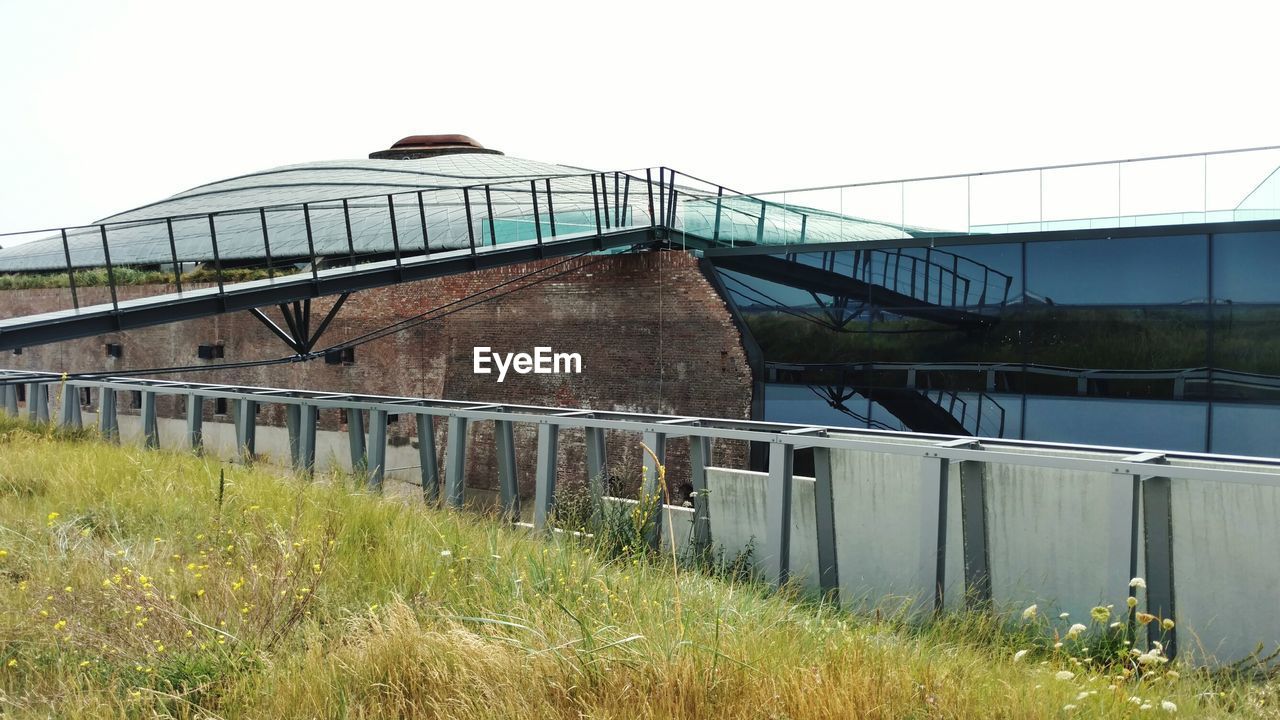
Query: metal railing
{"points": [[1139, 476]]}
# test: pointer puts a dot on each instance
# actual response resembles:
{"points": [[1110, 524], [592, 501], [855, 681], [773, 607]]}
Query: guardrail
{"points": [[1140, 480]]}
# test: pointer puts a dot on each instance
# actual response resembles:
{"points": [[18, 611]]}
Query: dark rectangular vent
{"points": [[211, 352], [220, 406], [340, 356], [114, 350]]}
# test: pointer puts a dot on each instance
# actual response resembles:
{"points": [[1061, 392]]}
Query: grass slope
{"points": [[131, 585]]}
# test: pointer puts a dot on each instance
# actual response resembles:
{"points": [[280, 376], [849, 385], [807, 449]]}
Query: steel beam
{"points": [[38, 403], [195, 421], [9, 393], [973, 520], [427, 458], [777, 511], [108, 423], [934, 482], [596, 480], [377, 458], [306, 438], [355, 439], [651, 489], [699, 458], [292, 424], [824, 503], [150, 426], [1157, 515], [246, 428], [69, 417], [508, 483], [455, 462], [545, 474]]}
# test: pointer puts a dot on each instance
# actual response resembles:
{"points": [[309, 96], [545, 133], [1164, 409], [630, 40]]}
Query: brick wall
{"points": [[653, 334]]}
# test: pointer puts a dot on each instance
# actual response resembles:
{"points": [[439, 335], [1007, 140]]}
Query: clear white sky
{"points": [[105, 105]]}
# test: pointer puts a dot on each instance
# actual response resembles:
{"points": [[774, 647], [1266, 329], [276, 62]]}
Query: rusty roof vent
{"points": [[424, 146]]}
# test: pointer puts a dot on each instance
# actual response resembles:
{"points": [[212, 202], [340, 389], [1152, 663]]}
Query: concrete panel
{"points": [[738, 521], [880, 530]]}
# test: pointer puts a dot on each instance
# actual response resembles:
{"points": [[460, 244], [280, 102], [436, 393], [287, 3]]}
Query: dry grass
{"points": [[132, 586]]}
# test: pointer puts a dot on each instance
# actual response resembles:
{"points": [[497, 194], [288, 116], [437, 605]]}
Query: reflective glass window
{"points": [[1245, 267], [1121, 271]]}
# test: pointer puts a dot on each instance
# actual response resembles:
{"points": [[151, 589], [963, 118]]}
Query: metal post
{"points": [[488, 203], [246, 428], [38, 403], [395, 234], [973, 520], [311, 243], [934, 477], [69, 417], [508, 483], [307, 438], [699, 458], [351, 242], [648, 181], [626, 200], [455, 462], [545, 474], [760, 224], [9, 393], [551, 210], [217, 259], [71, 273], [108, 424], [195, 421], [595, 469], [604, 199], [537, 219], [1157, 515], [471, 231], [595, 202], [293, 424], [355, 439], [150, 426], [111, 273], [377, 462], [266, 242], [650, 489], [1126, 494], [824, 501], [422, 216], [427, 458], [777, 510], [715, 232]]}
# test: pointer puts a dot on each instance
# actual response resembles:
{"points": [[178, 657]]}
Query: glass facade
{"points": [[1167, 341]]}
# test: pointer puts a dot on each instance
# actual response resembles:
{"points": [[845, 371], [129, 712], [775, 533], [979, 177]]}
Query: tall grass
{"points": [[142, 583], [124, 275]]}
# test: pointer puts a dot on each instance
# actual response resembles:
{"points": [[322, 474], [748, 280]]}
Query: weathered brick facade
{"points": [[653, 334]]}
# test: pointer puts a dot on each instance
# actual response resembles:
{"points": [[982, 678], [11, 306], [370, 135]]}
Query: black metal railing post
{"points": [[648, 181], [626, 200], [311, 243], [422, 216], [488, 203], [604, 198], [471, 231], [537, 220], [595, 202], [395, 234], [551, 210], [71, 272], [266, 242], [217, 259], [351, 243], [173, 254], [715, 232], [111, 273]]}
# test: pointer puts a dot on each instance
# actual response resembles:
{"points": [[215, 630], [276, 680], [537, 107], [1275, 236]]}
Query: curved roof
{"points": [[365, 207]]}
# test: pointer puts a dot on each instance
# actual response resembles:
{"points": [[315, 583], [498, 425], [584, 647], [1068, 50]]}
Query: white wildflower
{"points": [[446, 553], [1168, 707], [1068, 707], [1075, 630], [1064, 616], [1145, 706], [1019, 655], [1029, 613], [1063, 675], [1138, 583]]}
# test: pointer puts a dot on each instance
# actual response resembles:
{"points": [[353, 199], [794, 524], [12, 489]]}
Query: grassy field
{"points": [[141, 584]]}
